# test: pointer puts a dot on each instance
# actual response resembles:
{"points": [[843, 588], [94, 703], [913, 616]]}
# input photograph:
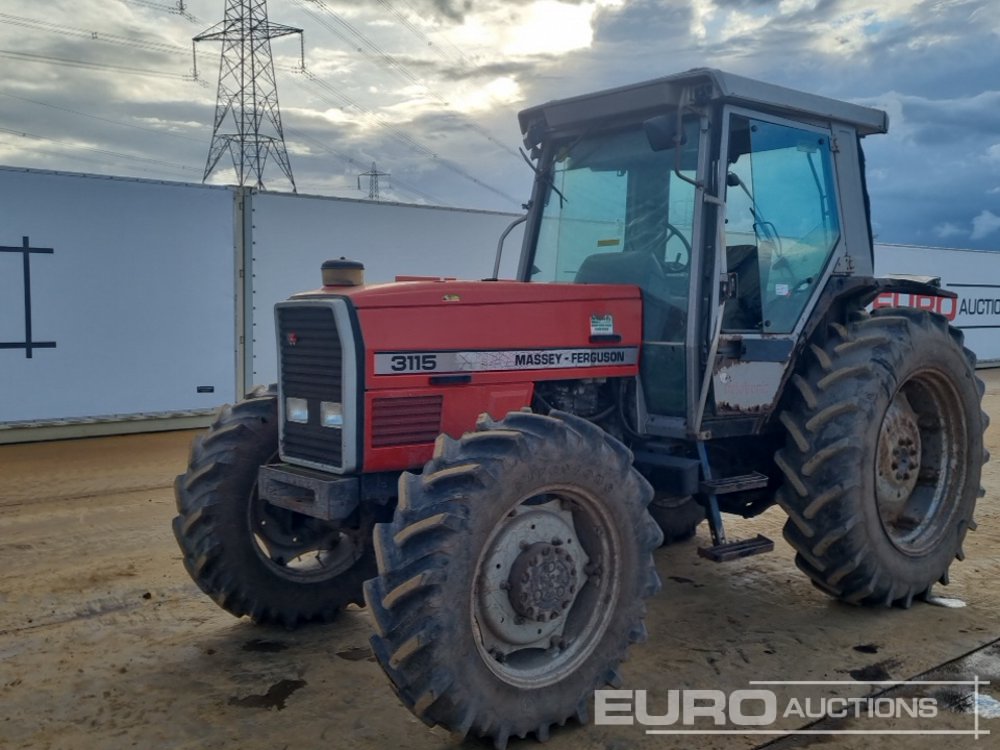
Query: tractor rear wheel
{"points": [[512, 579], [883, 458], [253, 558]]}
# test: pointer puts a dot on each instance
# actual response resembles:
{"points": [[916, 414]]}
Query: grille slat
{"points": [[405, 420], [311, 368]]}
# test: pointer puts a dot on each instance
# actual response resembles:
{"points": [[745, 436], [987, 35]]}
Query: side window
{"points": [[781, 221]]}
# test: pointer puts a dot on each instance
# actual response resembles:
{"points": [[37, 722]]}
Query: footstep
{"points": [[945, 601]]}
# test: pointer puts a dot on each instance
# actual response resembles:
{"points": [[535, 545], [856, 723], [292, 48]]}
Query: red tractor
{"points": [[489, 465]]}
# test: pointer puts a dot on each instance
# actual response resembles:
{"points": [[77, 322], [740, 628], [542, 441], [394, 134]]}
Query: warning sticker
{"points": [[602, 325]]}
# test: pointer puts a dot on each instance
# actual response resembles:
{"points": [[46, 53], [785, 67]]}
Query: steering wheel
{"points": [[672, 266]]}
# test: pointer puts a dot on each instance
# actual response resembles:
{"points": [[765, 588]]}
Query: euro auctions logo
{"points": [[765, 708]]}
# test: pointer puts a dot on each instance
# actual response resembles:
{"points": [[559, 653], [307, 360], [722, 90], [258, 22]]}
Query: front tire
{"points": [[512, 579], [252, 558], [883, 459]]}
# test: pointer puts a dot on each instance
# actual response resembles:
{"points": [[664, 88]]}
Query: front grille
{"points": [[311, 367], [405, 420]]}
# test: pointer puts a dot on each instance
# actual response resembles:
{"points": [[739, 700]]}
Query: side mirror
{"points": [[662, 134]]}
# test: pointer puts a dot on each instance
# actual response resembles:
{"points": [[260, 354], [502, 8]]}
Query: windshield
{"points": [[612, 195]]}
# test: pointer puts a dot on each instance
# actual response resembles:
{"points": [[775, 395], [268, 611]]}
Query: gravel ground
{"points": [[106, 643]]}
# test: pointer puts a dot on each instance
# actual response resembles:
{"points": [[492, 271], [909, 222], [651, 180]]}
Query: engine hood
{"points": [[446, 292]]}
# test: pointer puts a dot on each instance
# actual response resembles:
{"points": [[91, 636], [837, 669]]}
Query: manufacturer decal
{"points": [[602, 325], [403, 363]]}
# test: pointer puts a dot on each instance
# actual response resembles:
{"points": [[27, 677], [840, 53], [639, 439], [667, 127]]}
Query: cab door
{"points": [[782, 228]]}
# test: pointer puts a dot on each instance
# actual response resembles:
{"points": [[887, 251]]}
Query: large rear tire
{"points": [[512, 579], [883, 459], [252, 558]]}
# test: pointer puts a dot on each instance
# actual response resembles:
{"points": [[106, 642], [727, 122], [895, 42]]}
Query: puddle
{"points": [[877, 672], [261, 646], [356, 653], [275, 696]]}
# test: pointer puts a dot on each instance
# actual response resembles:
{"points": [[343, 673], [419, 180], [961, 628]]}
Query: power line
{"points": [[379, 56], [55, 28], [350, 161], [66, 62], [99, 118], [177, 10], [95, 149], [407, 140]]}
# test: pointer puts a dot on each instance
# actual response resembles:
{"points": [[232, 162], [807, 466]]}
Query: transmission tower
{"points": [[372, 174], [248, 92]]}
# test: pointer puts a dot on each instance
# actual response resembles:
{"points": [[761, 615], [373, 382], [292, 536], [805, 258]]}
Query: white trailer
{"points": [[974, 275], [119, 309], [140, 304]]}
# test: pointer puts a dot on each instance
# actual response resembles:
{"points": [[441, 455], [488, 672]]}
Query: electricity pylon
{"points": [[248, 92]]}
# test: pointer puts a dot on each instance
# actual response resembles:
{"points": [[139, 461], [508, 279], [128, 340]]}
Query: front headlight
{"points": [[297, 410], [331, 414]]}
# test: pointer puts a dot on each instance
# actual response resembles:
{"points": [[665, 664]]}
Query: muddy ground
{"points": [[106, 643]]}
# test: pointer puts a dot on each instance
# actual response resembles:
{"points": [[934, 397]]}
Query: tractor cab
{"points": [[729, 202]]}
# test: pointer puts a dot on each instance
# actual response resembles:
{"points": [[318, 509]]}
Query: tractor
{"points": [[489, 466]]}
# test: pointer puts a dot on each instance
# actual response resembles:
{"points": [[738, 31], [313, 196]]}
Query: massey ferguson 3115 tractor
{"points": [[489, 465]]}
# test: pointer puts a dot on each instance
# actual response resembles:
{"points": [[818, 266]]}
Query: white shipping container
{"points": [[146, 297], [134, 303]]}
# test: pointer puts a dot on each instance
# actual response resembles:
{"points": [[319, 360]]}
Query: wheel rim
{"points": [[920, 462], [297, 547], [545, 586]]}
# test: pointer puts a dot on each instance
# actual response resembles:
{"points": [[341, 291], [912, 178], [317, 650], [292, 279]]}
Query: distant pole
{"points": [[248, 93], [372, 174]]}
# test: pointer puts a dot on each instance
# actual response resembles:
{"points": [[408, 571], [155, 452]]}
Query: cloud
{"points": [[413, 83], [946, 230], [985, 224]]}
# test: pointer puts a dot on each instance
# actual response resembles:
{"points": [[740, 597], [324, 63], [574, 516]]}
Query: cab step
{"points": [[725, 485], [735, 550]]}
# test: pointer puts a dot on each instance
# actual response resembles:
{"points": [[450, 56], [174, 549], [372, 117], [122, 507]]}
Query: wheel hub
{"points": [[543, 581], [899, 452], [532, 574]]}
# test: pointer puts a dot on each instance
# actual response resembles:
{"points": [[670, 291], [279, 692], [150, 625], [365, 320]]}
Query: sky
{"points": [[429, 90]]}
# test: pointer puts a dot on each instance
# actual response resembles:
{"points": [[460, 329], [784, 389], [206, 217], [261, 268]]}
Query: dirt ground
{"points": [[106, 643]]}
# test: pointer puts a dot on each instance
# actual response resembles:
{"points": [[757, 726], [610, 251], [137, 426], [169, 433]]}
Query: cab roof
{"points": [[707, 85]]}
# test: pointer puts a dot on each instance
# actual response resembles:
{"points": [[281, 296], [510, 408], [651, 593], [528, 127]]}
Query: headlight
{"points": [[297, 410], [331, 414]]}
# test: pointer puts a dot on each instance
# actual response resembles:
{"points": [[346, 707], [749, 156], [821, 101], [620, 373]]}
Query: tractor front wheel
{"points": [[252, 558], [512, 579]]}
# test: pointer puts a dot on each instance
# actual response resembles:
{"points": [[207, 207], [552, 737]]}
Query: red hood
{"points": [[433, 293]]}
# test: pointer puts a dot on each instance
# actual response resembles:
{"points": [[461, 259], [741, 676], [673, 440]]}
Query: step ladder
{"points": [[723, 550]]}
